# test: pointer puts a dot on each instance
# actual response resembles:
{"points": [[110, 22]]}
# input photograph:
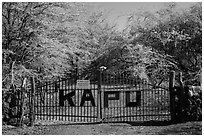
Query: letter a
{"points": [[87, 98]]}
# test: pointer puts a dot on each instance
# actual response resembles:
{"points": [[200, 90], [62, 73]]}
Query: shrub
{"points": [[193, 103]]}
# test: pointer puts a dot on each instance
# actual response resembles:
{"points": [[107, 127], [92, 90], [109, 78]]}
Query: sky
{"points": [[117, 9]]}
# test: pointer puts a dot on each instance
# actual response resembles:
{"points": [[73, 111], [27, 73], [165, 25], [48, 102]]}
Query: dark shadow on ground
{"points": [[71, 123], [149, 123], [132, 123]]}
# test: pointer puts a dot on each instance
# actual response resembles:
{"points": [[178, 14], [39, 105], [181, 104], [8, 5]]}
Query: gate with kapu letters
{"points": [[110, 98]]}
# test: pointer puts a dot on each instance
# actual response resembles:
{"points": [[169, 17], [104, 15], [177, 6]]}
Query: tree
{"points": [[31, 40], [18, 39], [175, 37], [46, 39]]}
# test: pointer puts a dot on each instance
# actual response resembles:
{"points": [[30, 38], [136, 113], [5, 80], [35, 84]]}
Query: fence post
{"points": [[181, 99], [22, 93], [172, 95], [32, 93], [99, 95]]}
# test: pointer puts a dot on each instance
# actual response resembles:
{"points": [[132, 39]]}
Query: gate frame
{"points": [[172, 95], [99, 97]]}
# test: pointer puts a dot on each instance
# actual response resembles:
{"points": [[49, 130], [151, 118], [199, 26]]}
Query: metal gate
{"points": [[111, 98], [127, 99]]}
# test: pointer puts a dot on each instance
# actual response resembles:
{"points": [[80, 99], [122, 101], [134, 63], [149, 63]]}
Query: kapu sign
{"points": [[83, 84]]}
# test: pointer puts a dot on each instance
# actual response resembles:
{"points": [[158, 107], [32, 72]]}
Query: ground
{"points": [[189, 128]]}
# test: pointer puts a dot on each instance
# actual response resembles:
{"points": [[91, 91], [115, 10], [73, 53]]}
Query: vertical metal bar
{"points": [[77, 92], [78, 107], [158, 101], [60, 100], [48, 106], [142, 87], [159, 98], [124, 103], [99, 111], [40, 103], [65, 106], [161, 103], [155, 106], [114, 105], [135, 107], [87, 107], [68, 107], [150, 105], [92, 108], [181, 100], [46, 100], [56, 103], [147, 97], [61, 90], [140, 108], [95, 95], [72, 108], [121, 94], [37, 111], [135, 88], [127, 108], [111, 102], [154, 110], [133, 94], [172, 95], [75, 108], [105, 85], [32, 112], [136, 85], [84, 109], [52, 101]]}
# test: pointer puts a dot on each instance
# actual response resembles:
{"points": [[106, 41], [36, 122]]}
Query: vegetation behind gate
{"points": [[53, 40]]}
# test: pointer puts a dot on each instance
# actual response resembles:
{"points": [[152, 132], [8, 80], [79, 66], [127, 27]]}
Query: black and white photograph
{"points": [[101, 67]]}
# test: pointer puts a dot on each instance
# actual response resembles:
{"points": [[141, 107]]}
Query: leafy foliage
{"points": [[175, 37], [47, 40], [44, 39]]}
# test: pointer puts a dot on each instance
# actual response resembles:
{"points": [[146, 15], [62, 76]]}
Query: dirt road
{"points": [[190, 128]]}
